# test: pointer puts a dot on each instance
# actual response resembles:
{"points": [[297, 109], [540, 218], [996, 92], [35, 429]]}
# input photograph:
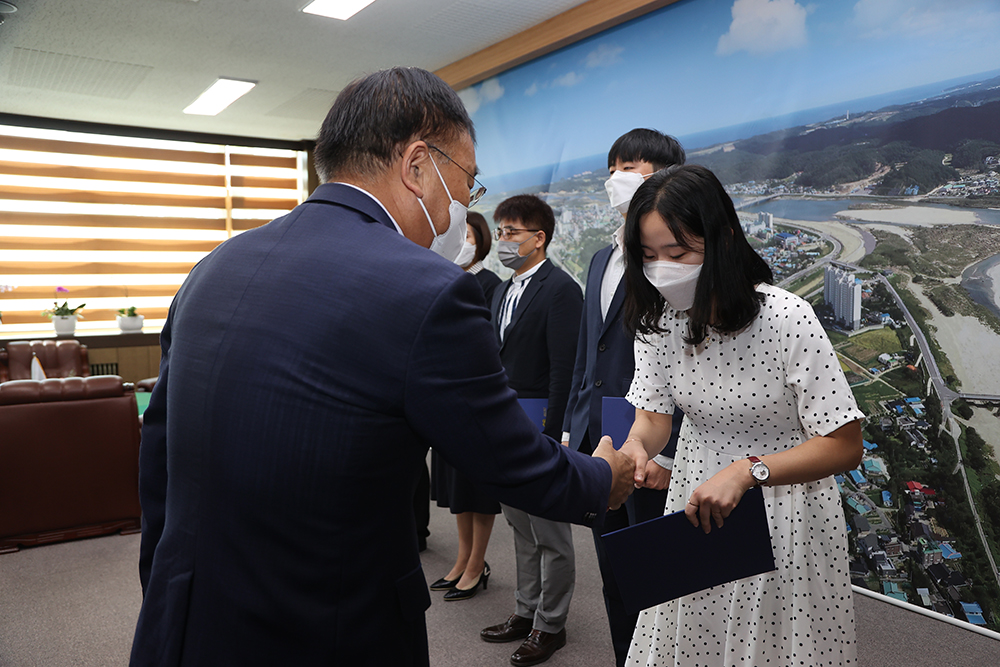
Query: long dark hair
{"points": [[694, 205]]}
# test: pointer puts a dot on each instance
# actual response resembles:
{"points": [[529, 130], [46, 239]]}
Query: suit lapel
{"points": [[595, 283], [498, 295], [534, 285]]}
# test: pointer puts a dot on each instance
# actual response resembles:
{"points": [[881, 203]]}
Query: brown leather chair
{"points": [[59, 359], [69, 460]]}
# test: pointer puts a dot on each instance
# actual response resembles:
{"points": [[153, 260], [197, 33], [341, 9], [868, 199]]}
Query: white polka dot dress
{"points": [[770, 387]]}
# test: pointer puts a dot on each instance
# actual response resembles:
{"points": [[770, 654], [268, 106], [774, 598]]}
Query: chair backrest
{"points": [[59, 359]]}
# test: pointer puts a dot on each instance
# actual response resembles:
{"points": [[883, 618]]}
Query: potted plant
{"points": [[63, 317], [129, 321]]}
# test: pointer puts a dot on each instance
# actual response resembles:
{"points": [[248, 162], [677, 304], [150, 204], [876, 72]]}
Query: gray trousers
{"points": [[546, 569]]}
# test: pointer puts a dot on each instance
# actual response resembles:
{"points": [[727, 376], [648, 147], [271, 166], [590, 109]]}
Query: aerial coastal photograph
{"points": [[881, 209]]}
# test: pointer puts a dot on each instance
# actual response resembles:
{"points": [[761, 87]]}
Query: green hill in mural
{"points": [[923, 144]]}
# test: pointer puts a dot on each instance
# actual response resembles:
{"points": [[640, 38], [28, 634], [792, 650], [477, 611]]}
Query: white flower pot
{"points": [[130, 324], [64, 325]]}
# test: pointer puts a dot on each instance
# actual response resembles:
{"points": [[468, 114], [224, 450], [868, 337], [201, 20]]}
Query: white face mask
{"points": [[676, 282], [621, 188], [466, 255], [448, 244]]}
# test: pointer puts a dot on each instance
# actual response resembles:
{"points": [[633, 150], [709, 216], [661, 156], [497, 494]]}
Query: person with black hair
{"points": [[536, 316], [475, 511], [478, 244], [605, 362], [765, 404], [280, 452]]}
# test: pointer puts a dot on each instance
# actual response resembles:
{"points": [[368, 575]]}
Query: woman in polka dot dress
{"points": [[760, 387]]}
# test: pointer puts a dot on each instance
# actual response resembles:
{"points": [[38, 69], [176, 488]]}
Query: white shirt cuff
{"points": [[665, 462], [565, 436]]}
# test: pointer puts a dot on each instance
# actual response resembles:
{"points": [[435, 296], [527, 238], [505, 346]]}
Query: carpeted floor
{"points": [[75, 605]]}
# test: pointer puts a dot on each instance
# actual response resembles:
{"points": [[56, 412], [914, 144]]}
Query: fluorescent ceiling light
{"points": [[336, 9], [219, 95]]}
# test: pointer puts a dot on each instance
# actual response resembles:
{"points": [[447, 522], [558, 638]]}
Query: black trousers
{"points": [[642, 505], [422, 506]]}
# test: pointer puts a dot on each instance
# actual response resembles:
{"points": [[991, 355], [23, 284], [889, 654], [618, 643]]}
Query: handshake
{"points": [[630, 469]]}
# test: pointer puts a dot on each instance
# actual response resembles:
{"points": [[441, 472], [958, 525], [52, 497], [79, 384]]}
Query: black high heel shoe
{"points": [[443, 584], [457, 593]]}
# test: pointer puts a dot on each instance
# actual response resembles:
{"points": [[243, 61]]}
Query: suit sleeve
{"points": [[561, 333], [153, 463], [456, 398]]}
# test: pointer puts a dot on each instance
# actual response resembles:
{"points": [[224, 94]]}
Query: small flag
{"points": [[37, 372]]}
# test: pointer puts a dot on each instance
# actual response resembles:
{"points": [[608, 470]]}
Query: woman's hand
{"points": [[657, 477], [717, 497]]}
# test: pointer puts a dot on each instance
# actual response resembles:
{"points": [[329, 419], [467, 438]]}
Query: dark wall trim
{"points": [[150, 133]]}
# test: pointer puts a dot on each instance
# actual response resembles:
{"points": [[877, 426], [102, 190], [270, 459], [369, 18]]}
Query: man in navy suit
{"points": [[536, 316], [605, 362], [306, 367]]}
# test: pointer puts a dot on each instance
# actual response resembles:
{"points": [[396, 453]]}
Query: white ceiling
{"points": [[140, 62]]}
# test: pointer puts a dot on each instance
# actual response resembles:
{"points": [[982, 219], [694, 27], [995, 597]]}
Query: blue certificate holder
{"points": [[536, 409], [666, 558], [617, 416]]}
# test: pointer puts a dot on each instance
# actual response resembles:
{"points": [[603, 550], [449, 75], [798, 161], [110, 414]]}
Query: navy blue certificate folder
{"points": [[535, 408], [617, 416], [666, 558]]}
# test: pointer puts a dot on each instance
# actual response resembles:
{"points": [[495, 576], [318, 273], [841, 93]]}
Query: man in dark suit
{"points": [[306, 367], [605, 362], [536, 317]]}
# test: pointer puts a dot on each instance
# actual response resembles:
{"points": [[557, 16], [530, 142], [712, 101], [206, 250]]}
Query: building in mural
{"points": [[842, 291]]}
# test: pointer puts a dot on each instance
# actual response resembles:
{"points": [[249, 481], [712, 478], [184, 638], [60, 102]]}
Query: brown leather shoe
{"points": [[538, 647], [515, 627]]}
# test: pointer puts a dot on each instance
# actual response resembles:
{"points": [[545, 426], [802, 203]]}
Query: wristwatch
{"points": [[759, 471]]}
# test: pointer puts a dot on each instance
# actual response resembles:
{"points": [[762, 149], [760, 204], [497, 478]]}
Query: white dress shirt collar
{"points": [[618, 238], [392, 219], [527, 274]]}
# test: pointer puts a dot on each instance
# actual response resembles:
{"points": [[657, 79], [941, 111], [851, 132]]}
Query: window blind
{"points": [[120, 221]]}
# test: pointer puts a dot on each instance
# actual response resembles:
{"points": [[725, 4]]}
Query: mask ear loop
{"points": [[420, 200]]}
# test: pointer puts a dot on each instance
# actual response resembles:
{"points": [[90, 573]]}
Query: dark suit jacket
{"points": [[539, 346], [306, 367], [605, 361], [488, 281]]}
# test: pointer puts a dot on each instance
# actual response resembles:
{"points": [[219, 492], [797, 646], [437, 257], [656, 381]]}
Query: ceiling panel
{"points": [[141, 62]]}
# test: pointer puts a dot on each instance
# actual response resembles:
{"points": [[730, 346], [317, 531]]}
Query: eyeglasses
{"points": [[476, 193], [506, 232]]}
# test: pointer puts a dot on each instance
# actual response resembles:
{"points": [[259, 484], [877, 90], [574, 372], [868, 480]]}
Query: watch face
{"points": [[760, 472]]}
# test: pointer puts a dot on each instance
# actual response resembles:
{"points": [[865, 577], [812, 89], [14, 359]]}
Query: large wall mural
{"points": [[861, 144]]}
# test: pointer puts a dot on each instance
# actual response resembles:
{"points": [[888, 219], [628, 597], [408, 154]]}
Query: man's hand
{"points": [[657, 477], [565, 443], [623, 472]]}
